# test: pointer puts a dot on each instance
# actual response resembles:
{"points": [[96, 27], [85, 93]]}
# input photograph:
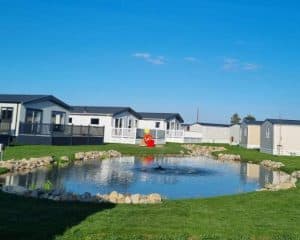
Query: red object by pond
{"points": [[148, 139]]}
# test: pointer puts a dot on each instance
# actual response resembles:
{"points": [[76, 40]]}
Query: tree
{"points": [[249, 118], [235, 119]]}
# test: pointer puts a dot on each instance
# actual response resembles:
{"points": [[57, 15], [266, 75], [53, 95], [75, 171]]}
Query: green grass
{"points": [[27, 151], [3, 170], [259, 215]]}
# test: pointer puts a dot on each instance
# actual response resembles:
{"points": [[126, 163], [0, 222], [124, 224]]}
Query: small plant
{"points": [[32, 186], [3, 170], [47, 186]]}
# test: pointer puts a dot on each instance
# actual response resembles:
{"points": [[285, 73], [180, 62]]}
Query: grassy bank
{"points": [[260, 215], [27, 151], [19, 152]]}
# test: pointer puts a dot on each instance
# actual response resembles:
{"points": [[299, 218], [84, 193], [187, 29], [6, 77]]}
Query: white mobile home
{"points": [[169, 123], [280, 137], [250, 134], [235, 134], [120, 123], [210, 132]]}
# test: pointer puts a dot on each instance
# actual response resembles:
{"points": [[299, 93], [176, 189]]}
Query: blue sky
{"points": [[222, 56]]}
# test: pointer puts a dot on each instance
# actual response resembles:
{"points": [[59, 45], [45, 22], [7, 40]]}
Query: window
{"points": [[70, 120], [6, 114], [33, 116], [95, 121], [129, 123], [168, 125], [58, 118], [188, 128], [157, 125], [268, 132]]}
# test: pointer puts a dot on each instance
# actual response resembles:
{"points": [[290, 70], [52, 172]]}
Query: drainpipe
{"points": [[17, 120]]}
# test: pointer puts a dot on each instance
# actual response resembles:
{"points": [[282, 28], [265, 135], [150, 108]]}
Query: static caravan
{"points": [[167, 125], [120, 123], [38, 119], [211, 132], [235, 134], [280, 137], [250, 134]]}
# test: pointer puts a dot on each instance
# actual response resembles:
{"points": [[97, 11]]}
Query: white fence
{"points": [[135, 135], [124, 133], [181, 136]]}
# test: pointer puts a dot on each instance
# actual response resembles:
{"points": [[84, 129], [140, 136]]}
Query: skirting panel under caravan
{"points": [[59, 141], [5, 139]]}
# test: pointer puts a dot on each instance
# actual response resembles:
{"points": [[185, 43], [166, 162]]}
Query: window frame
{"points": [[34, 110], [97, 119]]}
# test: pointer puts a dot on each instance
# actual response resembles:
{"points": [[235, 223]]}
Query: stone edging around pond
{"points": [[289, 180], [58, 195], [26, 164], [61, 196], [33, 163]]}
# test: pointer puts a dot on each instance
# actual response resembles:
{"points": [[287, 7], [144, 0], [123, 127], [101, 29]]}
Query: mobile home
{"points": [[280, 137], [250, 134]]}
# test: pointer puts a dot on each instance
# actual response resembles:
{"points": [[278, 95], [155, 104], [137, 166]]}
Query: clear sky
{"points": [[223, 56]]}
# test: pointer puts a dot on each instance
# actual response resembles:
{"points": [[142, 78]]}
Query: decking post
{"points": [[89, 136], [71, 142]]}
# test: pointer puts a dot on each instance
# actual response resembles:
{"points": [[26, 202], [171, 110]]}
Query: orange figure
{"points": [[148, 160], [148, 139]]}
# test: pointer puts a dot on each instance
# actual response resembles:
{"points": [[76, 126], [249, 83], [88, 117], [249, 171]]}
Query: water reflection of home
{"points": [[131, 174], [253, 172]]}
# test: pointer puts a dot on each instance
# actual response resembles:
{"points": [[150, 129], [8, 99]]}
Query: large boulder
{"points": [[135, 198], [271, 164], [154, 198], [229, 157], [296, 174]]}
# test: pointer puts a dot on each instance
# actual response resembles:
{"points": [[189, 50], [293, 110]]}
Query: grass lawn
{"points": [[255, 216], [27, 151], [260, 215]]}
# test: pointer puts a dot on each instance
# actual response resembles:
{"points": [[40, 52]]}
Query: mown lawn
{"points": [[255, 216], [27, 151], [260, 215]]}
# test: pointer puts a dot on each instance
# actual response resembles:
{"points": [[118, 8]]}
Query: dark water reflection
{"points": [[172, 177]]}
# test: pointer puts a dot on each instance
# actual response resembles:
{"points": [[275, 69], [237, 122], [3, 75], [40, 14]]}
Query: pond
{"points": [[172, 177]]}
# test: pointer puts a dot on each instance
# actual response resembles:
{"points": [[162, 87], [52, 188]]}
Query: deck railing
{"points": [[58, 130], [175, 133], [136, 133], [124, 132], [156, 134]]}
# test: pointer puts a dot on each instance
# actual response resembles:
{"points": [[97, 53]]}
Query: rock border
{"points": [[289, 181], [30, 164], [62, 196]]}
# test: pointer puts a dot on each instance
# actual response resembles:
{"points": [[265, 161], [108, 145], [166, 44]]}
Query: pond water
{"points": [[172, 177]]}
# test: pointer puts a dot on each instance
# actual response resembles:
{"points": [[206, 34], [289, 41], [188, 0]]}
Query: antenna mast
{"points": [[197, 114]]}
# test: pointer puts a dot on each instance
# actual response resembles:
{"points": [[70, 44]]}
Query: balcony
{"points": [[135, 135]]}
